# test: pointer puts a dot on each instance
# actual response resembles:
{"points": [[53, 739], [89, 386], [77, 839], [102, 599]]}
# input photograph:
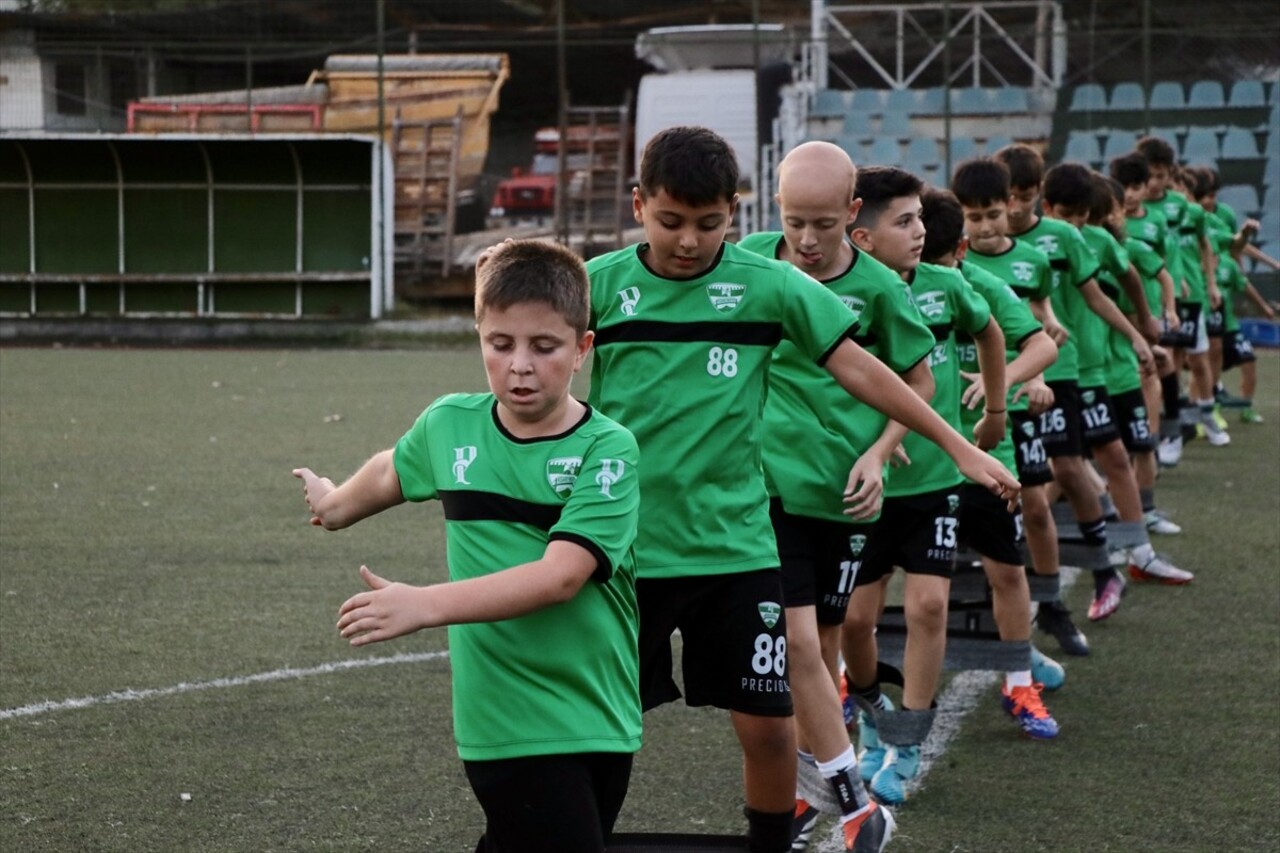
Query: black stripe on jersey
{"points": [[870, 339], [659, 331], [1060, 263], [604, 568], [473, 505], [940, 331], [850, 333]]}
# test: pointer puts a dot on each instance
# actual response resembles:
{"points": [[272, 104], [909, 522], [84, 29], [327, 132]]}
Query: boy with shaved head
{"points": [[813, 431]]}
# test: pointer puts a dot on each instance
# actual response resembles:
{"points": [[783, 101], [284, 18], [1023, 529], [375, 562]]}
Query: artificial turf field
{"points": [[156, 563]]}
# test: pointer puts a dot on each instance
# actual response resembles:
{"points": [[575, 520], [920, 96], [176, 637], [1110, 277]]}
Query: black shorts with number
{"points": [[987, 526], [550, 803], [734, 629], [1033, 461], [1130, 408], [1184, 336], [1236, 350], [917, 532], [1097, 417], [1215, 323], [820, 560], [1059, 425]]}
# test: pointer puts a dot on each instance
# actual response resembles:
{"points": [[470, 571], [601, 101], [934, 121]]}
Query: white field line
{"points": [[287, 674], [962, 695]]}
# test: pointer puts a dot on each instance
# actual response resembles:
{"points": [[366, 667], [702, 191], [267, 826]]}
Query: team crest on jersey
{"points": [[1048, 244], [1088, 397], [770, 612], [611, 471], [856, 543], [562, 473], [462, 459], [932, 304], [854, 304], [1022, 270], [1029, 429], [1140, 413], [725, 296], [953, 503], [629, 296], [1149, 231]]}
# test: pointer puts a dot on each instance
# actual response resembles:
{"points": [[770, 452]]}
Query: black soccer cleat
{"points": [[1055, 619]]}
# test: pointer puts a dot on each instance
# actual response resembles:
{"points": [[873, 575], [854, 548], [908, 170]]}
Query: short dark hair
{"points": [[696, 166], [519, 271], [980, 182], [1212, 176], [1156, 150], [1025, 165], [878, 186], [1069, 185], [1130, 169], [943, 223], [1199, 180], [1102, 198]]}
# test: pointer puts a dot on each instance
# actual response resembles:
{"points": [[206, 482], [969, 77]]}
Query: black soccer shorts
{"points": [[820, 560]]}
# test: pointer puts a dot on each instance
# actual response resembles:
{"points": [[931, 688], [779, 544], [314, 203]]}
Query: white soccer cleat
{"points": [[1160, 569], [1169, 451], [1157, 522]]}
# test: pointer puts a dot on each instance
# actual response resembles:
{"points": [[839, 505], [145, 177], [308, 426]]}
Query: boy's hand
{"points": [[1143, 351], [864, 491], [989, 431], [387, 611], [314, 490], [1055, 330], [975, 393], [986, 471], [1039, 395]]}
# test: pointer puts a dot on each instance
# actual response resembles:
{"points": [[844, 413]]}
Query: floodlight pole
{"points": [[561, 210]]}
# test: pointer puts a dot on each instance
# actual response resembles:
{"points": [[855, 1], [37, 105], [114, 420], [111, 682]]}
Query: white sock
{"points": [[843, 761], [806, 757], [1142, 554], [1017, 678]]}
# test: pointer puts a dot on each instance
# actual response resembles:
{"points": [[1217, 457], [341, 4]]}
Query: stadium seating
{"points": [[1127, 96], [932, 100], [1242, 198], [896, 124], [1247, 93], [902, 100], [1117, 144], [972, 100], [1082, 147], [1239, 144], [1088, 97], [962, 148], [868, 101], [830, 102], [1201, 146], [1167, 95], [1206, 95], [884, 151], [922, 153], [995, 143]]}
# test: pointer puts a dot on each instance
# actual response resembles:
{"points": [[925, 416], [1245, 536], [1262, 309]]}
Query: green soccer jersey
{"points": [[813, 430], [1016, 321], [1172, 206], [1228, 216], [1073, 265], [948, 304], [1190, 233], [1231, 282], [1148, 263], [1096, 347], [1022, 267], [570, 669], [684, 364]]}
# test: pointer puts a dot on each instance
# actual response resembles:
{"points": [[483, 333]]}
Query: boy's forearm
{"points": [[1110, 313], [1132, 285], [1037, 353], [368, 491], [991, 364]]}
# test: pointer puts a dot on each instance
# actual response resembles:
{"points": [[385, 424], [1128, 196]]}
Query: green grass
{"points": [[151, 535]]}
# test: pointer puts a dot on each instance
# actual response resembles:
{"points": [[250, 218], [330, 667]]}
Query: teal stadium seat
{"points": [[1082, 147], [1009, 99], [1239, 144], [902, 101], [830, 102], [1274, 97], [1088, 97], [1126, 97], [995, 143], [962, 148], [1242, 198], [971, 100], [932, 100], [1247, 93], [868, 101], [1117, 144], [1200, 146], [1167, 95], [884, 151], [896, 124], [922, 153], [1206, 95]]}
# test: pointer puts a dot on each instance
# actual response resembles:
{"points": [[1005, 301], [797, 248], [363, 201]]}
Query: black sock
{"points": [[1100, 578], [871, 694], [768, 832], [1169, 390], [1094, 532]]}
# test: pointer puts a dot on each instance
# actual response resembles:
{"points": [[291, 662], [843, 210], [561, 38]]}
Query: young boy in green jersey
{"points": [[1148, 226], [1186, 225], [686, 326], [541, 501], [982, 188], [812, 431], [1084, 310], [1237, 351], [986, 528], [918, 522]]}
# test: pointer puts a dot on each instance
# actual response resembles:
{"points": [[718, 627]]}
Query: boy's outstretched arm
{"points": [[390, 610], [373, 488], [869, 380], [989, 431], [864, 489]]}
